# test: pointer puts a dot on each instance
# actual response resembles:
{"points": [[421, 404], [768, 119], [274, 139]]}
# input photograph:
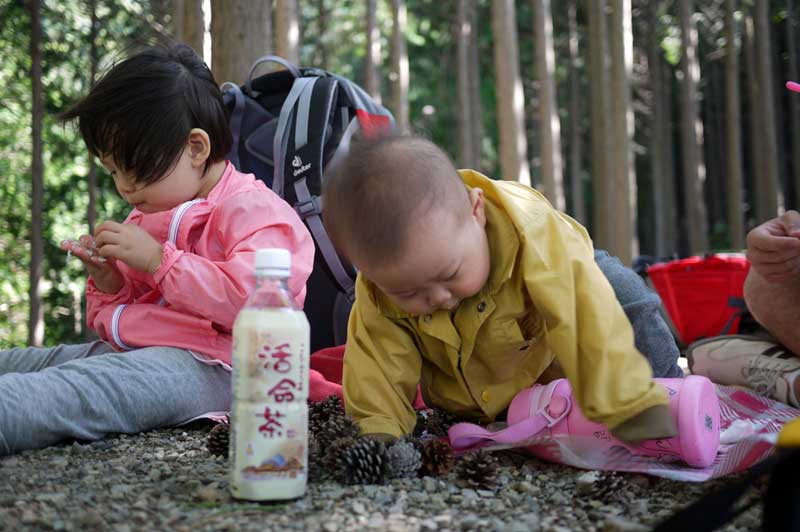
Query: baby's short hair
{"points": [[141, 111], [382, 186]]}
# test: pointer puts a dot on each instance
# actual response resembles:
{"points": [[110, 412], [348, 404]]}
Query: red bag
{"points": [[704, 296]]}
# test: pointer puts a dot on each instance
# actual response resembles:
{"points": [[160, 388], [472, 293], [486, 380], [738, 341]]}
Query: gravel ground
{"points": [[166, 480]]}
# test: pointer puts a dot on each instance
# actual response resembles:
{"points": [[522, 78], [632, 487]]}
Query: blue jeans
{"points": [[652, 335]]}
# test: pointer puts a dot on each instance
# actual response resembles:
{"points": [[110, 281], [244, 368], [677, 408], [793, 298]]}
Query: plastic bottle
{"points": [[269, 415]]}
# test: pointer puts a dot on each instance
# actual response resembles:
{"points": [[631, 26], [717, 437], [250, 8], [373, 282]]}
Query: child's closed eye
{"points": [[406, 295]]}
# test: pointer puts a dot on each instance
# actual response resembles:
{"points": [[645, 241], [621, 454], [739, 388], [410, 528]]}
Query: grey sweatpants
{"points": [[86, 391], [651, 333]]}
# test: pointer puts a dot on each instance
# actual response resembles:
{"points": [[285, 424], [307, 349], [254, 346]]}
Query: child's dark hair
{"points": [[381, 188], [141, 111]]}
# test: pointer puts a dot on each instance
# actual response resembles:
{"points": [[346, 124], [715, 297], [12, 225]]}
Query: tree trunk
{"points": [[399, 73], [287, 30], [239, 35], [549, 121], [624, 178], [373, 56], [476, 109], [189, 23], [91, 178], [463, 34], [719, 143], [36, 317], [601, 133], [694, 170], [510, 98], [322, 44], [578, 210], [770, 198], [756, 120], [659, 126], [669, 191], [733, 132], [794, 103]]}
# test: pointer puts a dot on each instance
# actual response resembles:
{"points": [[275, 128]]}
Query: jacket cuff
{"points": [[170, 255], [125, 294], [383, 426]]}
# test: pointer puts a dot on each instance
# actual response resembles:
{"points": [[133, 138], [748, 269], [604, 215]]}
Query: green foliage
{"points": [[65, 69]]}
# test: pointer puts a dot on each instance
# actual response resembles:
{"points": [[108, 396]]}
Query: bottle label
{"points": [[272, 445], [269, 414], [273, 345]]}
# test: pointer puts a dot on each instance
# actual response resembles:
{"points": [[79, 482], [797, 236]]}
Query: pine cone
{"points": [[439, 421], [478, 470], [437, 458], [316, 460], [333, 453], [434, 422], [404, 459], [219, 439], [320, 412], [334, 428], [363, 462]]}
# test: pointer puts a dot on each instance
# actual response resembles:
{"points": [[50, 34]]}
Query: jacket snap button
{"points": [[481, 306], [427, 318], [485, 396]]}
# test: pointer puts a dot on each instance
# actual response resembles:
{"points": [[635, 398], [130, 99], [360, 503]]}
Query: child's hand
{"points": [[654, 423], [104, 273], [129, 243]]}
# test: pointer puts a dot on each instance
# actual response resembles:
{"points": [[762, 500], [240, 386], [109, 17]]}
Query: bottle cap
{"points": [[276, 262]]}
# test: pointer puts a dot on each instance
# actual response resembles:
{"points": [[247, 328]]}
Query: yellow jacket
{"points": [[545, 300]]}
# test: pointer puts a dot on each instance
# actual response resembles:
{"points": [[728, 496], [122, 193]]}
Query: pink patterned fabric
{"points": [[750, 425]]}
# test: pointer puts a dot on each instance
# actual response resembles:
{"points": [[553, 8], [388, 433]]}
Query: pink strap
{"points": [[465, 436]]}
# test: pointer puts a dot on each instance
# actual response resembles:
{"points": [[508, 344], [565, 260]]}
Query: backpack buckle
{"points": [[309, 207]]}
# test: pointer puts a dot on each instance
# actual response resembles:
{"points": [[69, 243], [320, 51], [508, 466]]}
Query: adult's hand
{"points": [[774, 248]]}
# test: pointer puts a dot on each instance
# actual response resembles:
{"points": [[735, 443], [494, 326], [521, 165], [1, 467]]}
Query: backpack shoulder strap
{"points": [[312, 127], [285, 120], [307, 111]]}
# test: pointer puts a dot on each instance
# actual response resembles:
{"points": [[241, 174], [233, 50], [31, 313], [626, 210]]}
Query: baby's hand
{"points": [[129, 243], [105, 274], [654, 423]]}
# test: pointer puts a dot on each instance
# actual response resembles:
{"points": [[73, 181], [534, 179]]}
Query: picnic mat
{"points": [[750, 425]]}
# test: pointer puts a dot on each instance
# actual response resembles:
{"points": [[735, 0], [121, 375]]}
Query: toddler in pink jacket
{"points": [[166, 284]]}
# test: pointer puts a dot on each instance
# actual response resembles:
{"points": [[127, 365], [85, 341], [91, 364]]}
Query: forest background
{"points": [[663, 126]]}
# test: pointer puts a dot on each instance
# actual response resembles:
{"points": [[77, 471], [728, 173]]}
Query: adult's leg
{"points": [[112, 393], [28, 359], [651, 333]]}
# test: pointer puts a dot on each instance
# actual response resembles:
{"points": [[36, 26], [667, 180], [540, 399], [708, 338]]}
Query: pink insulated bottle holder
{"points": [[544, 410]]}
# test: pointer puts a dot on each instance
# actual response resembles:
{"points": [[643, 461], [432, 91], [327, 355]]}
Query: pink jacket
{"points": [[206, 274]]}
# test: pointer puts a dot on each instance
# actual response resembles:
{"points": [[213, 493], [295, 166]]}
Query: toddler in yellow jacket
{"points": [[475, 289]]}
